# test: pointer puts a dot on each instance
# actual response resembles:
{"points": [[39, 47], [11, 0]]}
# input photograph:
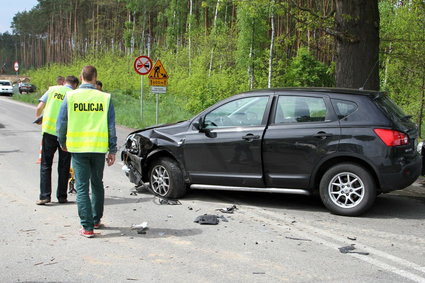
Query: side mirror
{"points": [[197, 125]]}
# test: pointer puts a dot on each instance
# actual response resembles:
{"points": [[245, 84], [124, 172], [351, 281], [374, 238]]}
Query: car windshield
{"points": [[5, 83], [390, 108]]}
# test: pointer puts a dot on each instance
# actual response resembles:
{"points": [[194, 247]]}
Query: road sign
{"points": [[142, 65], [158, 75], [159, 89], [16, 66]]}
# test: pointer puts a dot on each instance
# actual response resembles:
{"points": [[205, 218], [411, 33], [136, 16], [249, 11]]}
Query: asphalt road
{"points": [[269, 238]]}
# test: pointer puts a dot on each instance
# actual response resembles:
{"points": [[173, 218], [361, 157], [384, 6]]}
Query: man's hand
{"points": [[110, 159], [64, 148]]}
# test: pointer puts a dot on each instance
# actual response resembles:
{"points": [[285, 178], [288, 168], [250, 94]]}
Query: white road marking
{"points": [[301, 229]]}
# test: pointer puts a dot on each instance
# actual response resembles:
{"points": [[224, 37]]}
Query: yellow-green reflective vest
{"points": [[87, 120], [56, 94]]}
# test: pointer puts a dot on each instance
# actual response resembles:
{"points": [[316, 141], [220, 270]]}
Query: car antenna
{"points": [[368, 77]]}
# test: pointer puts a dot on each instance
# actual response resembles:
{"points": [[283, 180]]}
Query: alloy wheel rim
{"points": [[160, 180], [346, 190]]}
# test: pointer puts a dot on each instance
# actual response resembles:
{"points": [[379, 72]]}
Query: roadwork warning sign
{"points": [[158, 75]]}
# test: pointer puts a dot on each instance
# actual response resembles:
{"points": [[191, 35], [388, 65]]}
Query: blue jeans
{"points": [[88, 169]]}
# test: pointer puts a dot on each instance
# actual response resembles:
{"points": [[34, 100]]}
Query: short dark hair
{"points": [[99, 83], [72, 80], [89, 73], [60, 80]]}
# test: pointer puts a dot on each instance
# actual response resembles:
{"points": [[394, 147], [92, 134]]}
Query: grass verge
{"points": [[127, 109]]}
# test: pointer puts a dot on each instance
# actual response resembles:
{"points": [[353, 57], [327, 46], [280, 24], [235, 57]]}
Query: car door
{"points": [[303, 131], [227, 149]]}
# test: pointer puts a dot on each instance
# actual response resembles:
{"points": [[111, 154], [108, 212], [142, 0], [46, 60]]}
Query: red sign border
{"points": [[137, 71], [17, 69]]}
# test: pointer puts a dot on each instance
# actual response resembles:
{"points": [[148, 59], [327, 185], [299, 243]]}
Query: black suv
{"points": [[347, 145]]}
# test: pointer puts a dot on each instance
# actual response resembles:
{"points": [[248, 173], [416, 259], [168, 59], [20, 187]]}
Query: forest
{"points": [[212, 49]]}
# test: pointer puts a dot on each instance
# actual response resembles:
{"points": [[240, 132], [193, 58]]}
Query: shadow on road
{"points": [[405, 204]]}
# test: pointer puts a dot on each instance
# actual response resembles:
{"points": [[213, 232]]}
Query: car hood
{"points": [[171, 129], [161, 134]]}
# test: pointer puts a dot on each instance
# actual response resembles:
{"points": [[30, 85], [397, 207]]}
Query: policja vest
{"points": [[56, 94], [87, 129]]}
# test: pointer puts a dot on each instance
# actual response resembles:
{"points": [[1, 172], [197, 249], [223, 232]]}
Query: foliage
{"points": [[305, 70], [219, 49], [403, 48]]}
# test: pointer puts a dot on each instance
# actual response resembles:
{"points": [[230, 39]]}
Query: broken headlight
{"points": [[132, 144]]}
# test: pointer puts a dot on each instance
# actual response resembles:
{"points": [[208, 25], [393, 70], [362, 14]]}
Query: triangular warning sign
{"points": [[158, 72]]}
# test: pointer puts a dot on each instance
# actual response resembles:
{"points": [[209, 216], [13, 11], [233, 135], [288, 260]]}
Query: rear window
{"points": [[344, 108], [393, 112]]}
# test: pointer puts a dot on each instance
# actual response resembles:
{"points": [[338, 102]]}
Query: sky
{"points": [[8, 9]]}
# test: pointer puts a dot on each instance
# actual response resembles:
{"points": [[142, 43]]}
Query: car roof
{"points": [[295, 90]]}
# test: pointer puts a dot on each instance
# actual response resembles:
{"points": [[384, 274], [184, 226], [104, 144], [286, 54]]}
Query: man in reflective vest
{"points": [[86, 128], [49, 105]]}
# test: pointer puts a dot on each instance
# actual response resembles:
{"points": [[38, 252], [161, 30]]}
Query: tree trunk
{"points": [[269, 83], [357, 44], [213, 33], [190, 35]]}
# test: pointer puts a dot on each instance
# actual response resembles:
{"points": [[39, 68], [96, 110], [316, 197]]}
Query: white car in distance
{"points": [[6, 87]]}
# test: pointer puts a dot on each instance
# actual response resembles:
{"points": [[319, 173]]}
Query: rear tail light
{"points": [[391, 137]]}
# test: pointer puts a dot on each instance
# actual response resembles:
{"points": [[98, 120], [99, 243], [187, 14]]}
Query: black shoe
{"points": [[62, 200], [42, 201]]}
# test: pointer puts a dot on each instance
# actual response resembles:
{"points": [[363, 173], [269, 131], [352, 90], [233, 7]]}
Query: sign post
{"points": [[158, 80], [142, 65]]}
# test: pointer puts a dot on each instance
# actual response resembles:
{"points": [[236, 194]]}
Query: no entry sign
{"points": [[143, 65]]}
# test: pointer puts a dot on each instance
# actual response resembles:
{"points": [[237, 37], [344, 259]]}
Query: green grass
{"points": [[127, 109]]}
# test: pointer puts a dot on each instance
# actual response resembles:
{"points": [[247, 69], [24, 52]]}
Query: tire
{"points": [[347, 189], [166, 178]]}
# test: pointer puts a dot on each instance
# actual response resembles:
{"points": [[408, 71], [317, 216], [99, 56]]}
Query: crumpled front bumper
{"points": [[132, 167]]}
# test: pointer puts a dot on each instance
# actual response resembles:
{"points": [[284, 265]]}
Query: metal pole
{"points": [[141, 98], [156, 114]]}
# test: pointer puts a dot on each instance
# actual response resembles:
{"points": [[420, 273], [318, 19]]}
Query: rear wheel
{"points": [[347, 189], [166, 178]]}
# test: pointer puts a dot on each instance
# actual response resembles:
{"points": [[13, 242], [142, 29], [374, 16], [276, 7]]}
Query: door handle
{"points": [[250, 137], [322, 135]]}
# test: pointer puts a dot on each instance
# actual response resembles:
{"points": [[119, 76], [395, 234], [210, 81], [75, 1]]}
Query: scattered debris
{"points": [[133, 194], [349, 250], [161, 233], [297, 239], [166, 201], [207, 219], [258, 272], [352, 238], [227, 209], [142, 225], [141, 228], [38, 263], [170, 216], [28, 230], [190, 208]]}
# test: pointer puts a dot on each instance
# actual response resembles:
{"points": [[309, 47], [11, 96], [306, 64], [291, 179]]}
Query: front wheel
{"points": [[347, 189], [166, 178]]}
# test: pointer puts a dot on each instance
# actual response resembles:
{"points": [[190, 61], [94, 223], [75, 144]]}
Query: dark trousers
{"points": [[88, 171], [49, 146]]}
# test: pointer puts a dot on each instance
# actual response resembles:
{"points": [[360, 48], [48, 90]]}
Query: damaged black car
{"points": [[346, 145]]}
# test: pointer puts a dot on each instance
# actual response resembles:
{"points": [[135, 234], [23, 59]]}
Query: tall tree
{"points": [[357, 48]]}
